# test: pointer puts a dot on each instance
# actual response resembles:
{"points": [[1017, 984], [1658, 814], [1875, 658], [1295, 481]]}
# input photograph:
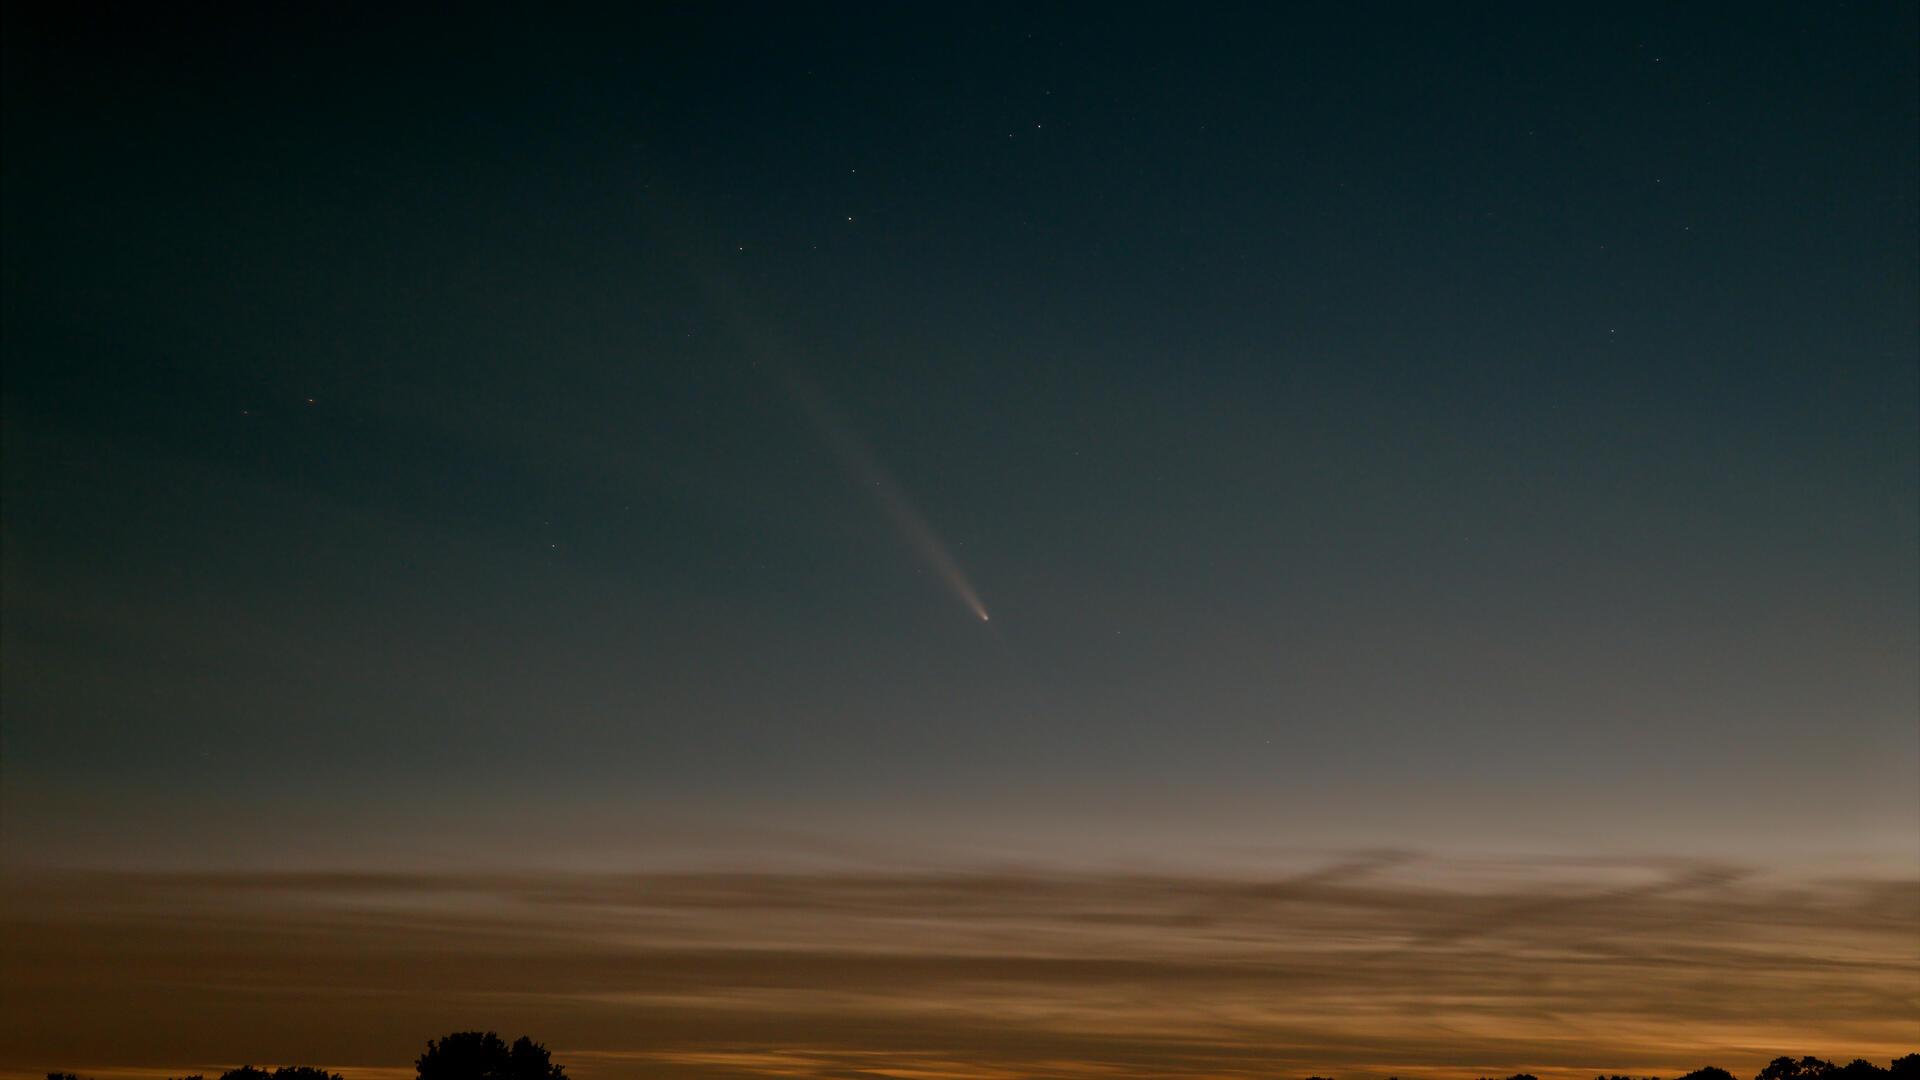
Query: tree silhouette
{"points": [[1785, 1068], [1708, 1073], [284, 1072], [474, 1055]]}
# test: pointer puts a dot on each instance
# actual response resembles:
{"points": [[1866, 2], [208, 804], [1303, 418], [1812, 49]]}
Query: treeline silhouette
{"points": [[1780, 1068], [483, 1055], [463, 1055]]}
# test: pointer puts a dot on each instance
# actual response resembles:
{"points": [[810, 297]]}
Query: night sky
{"points": [[1422, 449]]}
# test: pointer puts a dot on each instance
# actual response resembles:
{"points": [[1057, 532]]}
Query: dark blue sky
{"points": [[1365, 424]]}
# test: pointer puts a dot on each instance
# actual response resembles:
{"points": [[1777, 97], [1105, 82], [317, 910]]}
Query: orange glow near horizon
{"points": [[1353, 971]]}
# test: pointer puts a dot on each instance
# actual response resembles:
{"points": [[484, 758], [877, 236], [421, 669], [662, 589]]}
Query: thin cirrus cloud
{"points": [[1409, 966]]}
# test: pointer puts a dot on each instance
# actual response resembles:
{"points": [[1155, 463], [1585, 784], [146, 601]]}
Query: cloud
{"points": [[1374, 965]]}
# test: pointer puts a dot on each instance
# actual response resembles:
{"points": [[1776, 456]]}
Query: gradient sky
{"points": [[508, 443]]}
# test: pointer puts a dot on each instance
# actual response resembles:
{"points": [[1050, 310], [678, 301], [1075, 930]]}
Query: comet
{"points": [[864, 467], [737, 317]]}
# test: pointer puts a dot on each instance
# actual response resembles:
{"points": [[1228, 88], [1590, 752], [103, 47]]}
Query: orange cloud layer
{"points": [[1378, 967]]}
